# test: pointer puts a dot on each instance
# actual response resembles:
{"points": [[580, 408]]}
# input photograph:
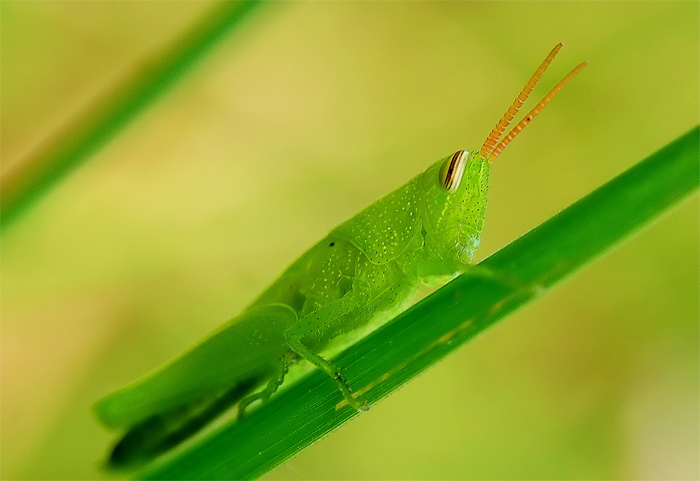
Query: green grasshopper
{"points": [[369, 267]]}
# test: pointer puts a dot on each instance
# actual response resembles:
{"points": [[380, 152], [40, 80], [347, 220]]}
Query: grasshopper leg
{"points": [[314, 323], [269, 390]]}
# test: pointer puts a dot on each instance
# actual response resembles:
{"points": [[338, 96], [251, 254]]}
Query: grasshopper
{"points": [[425, 232]]}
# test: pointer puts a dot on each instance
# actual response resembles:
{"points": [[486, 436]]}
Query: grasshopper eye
{"points": [[452, 171]]}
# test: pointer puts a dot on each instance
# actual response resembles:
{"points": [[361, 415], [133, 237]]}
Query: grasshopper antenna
{"points": [[492, 139], [533, 113], [488, 150]]}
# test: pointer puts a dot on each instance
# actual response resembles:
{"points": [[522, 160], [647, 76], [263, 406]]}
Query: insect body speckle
{"points": [[367, 268]]}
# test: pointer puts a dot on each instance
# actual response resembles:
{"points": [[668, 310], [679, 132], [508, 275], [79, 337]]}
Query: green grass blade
{"points": [[439, 324], [33, 176]]}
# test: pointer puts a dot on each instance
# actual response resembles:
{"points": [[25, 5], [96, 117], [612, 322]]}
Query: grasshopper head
{"points": [[455, 190]]}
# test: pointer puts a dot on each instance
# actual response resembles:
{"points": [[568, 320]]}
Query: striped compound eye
{"points": [[452, 171]]}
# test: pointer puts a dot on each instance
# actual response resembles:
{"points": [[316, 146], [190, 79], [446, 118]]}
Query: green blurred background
{"points": [[304, 115]]}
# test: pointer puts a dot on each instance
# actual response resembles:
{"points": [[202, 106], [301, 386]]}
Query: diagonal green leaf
{"points": [[442, 322], [33, 176]]}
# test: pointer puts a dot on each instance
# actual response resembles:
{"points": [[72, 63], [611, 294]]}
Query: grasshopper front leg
{"points": [[318, 326]]}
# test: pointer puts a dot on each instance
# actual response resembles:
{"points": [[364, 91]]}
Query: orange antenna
{"points": [[507, 118], [533, 113]]}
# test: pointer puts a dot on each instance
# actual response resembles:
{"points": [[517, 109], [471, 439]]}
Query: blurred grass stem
{"points": [[30, 178]]}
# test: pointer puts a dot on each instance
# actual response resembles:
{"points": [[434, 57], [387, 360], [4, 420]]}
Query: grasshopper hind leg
{"points": [[269, 389], [162, 432]]}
